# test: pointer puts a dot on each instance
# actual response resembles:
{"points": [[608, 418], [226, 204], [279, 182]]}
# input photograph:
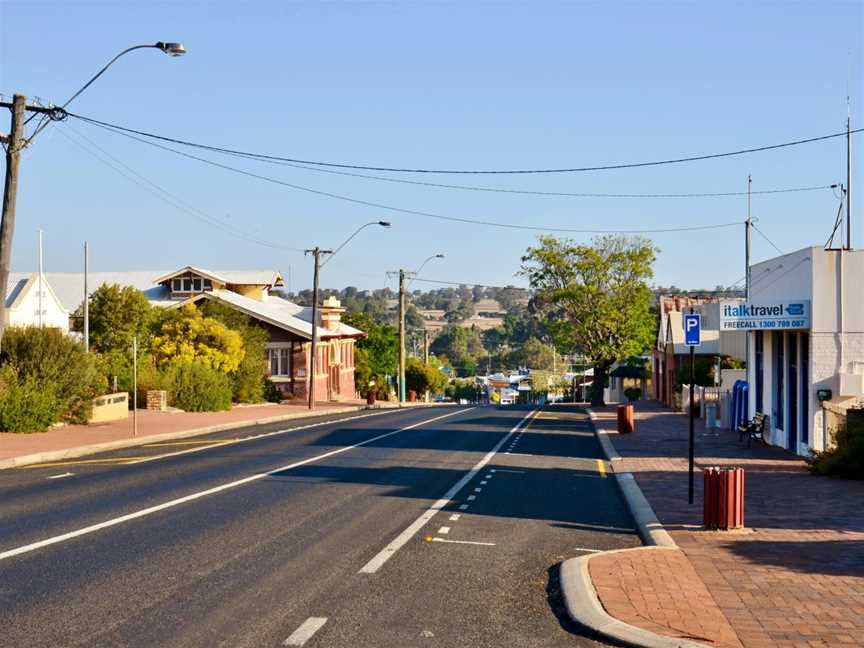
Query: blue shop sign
{"points": [[765, 316]]}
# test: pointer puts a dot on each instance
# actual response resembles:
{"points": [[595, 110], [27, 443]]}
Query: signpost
{"points": [[692, 338]]}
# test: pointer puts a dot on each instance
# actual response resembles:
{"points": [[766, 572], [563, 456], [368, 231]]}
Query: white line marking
{"points": [[444, 530], [471, 498], [454, 517], [304, 633], [222, 444], [478, 490], [483, 483], [521, 472], [492, 470], [522, 454], [587, 550], [210, 491], [485, 544], [384, 555], [66, 474]]}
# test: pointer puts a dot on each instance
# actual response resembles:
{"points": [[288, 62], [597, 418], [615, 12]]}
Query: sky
{"points": [[442, 85]]}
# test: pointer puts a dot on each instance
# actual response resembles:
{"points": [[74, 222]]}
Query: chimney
{"points": [[331, 313]]}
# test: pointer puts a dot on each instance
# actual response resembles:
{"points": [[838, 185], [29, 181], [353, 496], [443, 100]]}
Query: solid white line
{"points": [[521, 472], [210, 491], [66, 474], [387, 552], [304, 633], [254, 437], [588, 550], [485, 544], [444, 530]]}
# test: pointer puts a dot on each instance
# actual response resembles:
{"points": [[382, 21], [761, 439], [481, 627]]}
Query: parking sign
{"points": [[692, 329]]}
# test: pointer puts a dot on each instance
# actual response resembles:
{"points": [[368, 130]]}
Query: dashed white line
{"points": [[444, 530], [387, 552], [304, 633], [471, 498], [478, 490], [210, 491], [470, 542], [463, 507], [483, 483], [66, 474]]}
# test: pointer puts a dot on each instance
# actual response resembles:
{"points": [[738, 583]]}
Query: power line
{"points": [[606, 167], [468, 283], [163, 194], [415, 212], [764, 236]]}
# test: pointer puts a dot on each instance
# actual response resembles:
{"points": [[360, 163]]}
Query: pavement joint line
{"points": [[397, 543], [304, 633], [210, 491]]}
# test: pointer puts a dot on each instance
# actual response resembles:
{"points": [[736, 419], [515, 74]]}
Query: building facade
{"points": [[30, 301]]}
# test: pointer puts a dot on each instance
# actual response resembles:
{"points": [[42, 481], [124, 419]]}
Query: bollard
{"points": [[723, 498], [626, 419]]}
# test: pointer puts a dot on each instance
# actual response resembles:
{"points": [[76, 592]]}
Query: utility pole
{"points": [[14, 145], [748, 224], [848, 177], [426, 353], [401, 336], [86, 301], [135, 386], [316, 253]]}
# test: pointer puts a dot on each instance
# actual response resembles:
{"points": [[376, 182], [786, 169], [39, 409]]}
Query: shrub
{"points": [[186, 336], [54, 362], [197, 388], [271, 393], [846, 458], [633, 393], [25, 405]]}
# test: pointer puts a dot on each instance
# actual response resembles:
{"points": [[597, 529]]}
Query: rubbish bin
{"points": [[710, 416], [370, 398], [723, 505], [626, 421]]}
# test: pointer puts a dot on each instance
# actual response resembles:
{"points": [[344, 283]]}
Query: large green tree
{"points": [[377, 354], [118, 314], [595, 297], [463, 347]]}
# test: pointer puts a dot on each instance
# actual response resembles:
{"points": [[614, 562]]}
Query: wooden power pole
{"points": [[316, 253], [401, 336], [10, 192]]}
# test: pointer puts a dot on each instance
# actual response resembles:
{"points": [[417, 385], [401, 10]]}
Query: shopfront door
{"points": [[792, 363]]}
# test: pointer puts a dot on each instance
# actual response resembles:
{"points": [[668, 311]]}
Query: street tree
{"points": [[118, 314], [594, 297], [186, 336]]}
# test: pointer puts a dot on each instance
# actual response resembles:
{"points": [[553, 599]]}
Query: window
{"points": [[760, 371], [196, 284], [279, 362], [208, 285], [176, 285], [778, 380], [187, 284]]}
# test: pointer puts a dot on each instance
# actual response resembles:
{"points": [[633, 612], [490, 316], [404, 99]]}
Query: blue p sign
{"points": [[692, 329]]}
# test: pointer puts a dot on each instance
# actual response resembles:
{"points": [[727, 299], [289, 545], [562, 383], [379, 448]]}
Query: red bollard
{"points": [[723, 503], [626, 419]]}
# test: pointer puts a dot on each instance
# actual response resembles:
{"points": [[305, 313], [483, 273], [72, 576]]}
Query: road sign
{"points": [[692, 329]]}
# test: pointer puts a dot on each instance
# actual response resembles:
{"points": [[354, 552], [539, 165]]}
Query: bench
{"points": [[755, 429]]}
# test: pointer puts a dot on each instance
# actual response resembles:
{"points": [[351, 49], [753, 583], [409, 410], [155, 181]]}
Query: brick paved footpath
{"points": [[793, 577]]}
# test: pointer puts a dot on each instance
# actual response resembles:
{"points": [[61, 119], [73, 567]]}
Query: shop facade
{"points": [[805, 341]]}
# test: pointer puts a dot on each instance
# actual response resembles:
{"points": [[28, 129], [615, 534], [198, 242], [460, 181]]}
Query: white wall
{"points": [[26, 312]]}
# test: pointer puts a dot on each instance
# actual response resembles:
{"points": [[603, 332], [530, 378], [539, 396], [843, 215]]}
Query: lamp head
{"points": [[171, 49], [439, 256], [384, 223]]}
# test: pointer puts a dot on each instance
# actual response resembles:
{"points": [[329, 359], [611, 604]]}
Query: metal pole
{"points": [[316, 253], [747, 241], [41, 284], [10, 191], [135, 386], [848, 182], [426, 354], [86, 300], [401, 336], [692, 380]]}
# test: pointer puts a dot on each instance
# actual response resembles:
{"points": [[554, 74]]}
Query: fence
{"points": [[704, 395]]}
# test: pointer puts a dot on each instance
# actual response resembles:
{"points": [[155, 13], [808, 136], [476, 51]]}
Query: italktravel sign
{"points": [[777, 316]]}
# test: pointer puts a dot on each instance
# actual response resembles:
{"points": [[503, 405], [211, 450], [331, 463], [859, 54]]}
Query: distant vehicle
{"points": [[506, 400]]}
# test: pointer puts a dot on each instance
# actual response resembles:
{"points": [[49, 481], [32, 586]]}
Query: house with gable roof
{"points": [[25, 306]]}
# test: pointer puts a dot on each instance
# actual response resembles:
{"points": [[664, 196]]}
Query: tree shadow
{"points": [[823, 557]]}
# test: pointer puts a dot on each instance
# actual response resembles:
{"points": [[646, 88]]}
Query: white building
{"points": [[25, 307], [805, 323]]}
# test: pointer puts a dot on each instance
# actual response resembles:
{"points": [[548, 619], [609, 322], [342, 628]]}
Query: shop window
{"points": [[760, 371]]}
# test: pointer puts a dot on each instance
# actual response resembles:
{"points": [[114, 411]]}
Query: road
{"points": [[433, 526]]}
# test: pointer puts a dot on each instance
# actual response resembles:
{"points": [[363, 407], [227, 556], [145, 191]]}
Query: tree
{"points": [[118, 314], [420, 377], [187, 336], [595, 297], [462, 347], [534, 354], [376, 355]]}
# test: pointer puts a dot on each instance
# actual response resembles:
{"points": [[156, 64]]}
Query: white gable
{"points": [[23, 305]]}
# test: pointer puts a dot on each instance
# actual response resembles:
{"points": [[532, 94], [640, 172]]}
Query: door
{"points": [[792, 363]]}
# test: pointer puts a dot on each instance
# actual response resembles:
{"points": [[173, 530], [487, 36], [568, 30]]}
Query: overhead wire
{"points": [[413, 212], [765, 236], [163, 194], [365, 167]]}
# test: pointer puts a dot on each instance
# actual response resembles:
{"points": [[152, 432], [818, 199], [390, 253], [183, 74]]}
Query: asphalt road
{"points": [[338, 533]]}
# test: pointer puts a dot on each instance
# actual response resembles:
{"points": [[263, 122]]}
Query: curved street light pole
{"points": [[15, 142], [316, 253]]}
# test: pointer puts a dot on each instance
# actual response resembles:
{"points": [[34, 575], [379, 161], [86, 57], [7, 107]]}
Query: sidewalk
{"points": [[78, 440], [793, 577]]}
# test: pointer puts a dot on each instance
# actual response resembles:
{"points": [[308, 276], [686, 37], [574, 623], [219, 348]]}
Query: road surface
{"points": [[438, 526]]}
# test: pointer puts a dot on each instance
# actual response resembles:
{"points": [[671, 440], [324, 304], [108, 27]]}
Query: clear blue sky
{"points": [[465, 85]]}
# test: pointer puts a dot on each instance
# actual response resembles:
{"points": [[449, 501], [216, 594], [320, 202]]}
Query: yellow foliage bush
{"points": [[187, 336]]}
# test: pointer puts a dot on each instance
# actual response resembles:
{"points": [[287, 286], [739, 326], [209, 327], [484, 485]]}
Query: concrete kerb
{"points": [[603, 437], [119, 444], [584, 607]]}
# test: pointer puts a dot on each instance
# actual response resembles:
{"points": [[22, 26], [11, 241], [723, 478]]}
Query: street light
{"points": [[434, 256], [316, 253], [16, 141]]}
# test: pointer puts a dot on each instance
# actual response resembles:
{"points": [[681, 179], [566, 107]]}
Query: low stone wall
{"points": [[110, 407]]}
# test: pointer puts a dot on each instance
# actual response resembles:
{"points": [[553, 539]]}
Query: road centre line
{"points": [[304, 633], [210, 491], [387, 552], [219, 443]]}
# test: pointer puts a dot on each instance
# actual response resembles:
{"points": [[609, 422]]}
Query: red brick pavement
{"points": [[795, 576]]}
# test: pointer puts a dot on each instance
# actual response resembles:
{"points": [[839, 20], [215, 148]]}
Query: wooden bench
{"points": [[755, 429]]}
